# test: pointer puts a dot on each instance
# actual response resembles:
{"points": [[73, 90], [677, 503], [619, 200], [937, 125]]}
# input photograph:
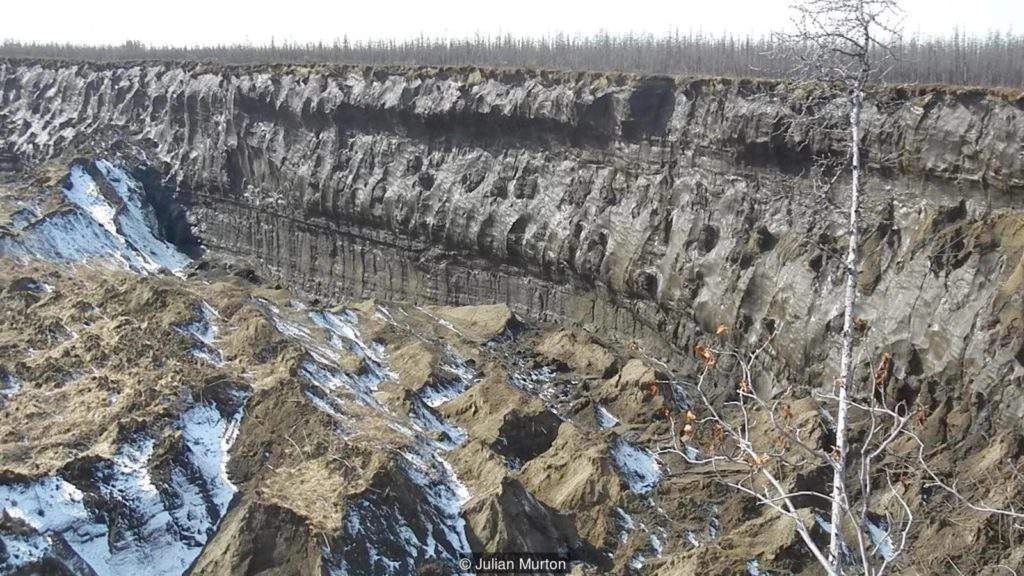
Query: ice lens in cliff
{"points": [[115, 224]]}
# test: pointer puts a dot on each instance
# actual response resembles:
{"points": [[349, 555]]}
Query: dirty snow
{"points": [[9, 385], [158, 531], [433, 530], [637, 466], [880, 537], [120, 228], [204, 332], [605, 419]]}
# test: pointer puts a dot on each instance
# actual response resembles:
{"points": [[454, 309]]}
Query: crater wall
{"points": [[651, 209]]}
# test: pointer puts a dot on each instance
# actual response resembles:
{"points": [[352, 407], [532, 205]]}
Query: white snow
{"points": [[121, 229], [84, 192], [637, 466], [160, 531], [625, 523], [605, 419], [882, 540], [656, 545], [137, 221], [23, 216], [428, 419], [690, 452], [53, 505], [209, 436], [38, 287], [333, 380], [445, 495], [204, 332], [462, 378], [23, 549]]}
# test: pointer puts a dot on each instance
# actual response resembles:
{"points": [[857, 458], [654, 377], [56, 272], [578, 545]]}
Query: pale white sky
{"points": [[218, 21]]}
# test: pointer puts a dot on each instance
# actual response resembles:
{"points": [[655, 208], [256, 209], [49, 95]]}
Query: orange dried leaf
{"points": [[705, 354], [722, 329]]}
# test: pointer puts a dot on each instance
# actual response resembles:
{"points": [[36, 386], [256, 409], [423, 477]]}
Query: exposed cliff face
{"points": [[645, 208], [638, 208]]}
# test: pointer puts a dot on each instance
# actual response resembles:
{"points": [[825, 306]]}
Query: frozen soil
{"points": [[197, 420]]}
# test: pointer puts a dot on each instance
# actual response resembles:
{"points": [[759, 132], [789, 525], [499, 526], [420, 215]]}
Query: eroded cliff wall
{"points": [[645, 208]]}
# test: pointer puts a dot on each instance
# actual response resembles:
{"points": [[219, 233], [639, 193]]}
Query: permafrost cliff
{"points": [[648, 208], [641, 209]]}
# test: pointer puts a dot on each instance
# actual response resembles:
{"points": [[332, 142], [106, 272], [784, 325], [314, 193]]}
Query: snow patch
{"points": [[637, 466], [605, 419], [204, 332], [625, 523], [333, 380], [137, 221], [880, 537], [9, 385], [462, 377], [121, 228], [656, 545], [156, 531]]}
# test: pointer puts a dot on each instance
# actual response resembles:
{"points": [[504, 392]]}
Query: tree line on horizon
{"points": [[994, 60]]}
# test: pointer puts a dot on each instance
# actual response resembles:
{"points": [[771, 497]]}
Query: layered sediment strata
{"points": [[647, 208]]}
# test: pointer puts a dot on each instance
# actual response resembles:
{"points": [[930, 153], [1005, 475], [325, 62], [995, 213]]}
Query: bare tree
{"points": [[755, 439], [836, 42], [993, 60]]}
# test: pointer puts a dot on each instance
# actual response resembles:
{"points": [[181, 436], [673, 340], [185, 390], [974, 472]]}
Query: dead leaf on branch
{"points": [[706, 354]]}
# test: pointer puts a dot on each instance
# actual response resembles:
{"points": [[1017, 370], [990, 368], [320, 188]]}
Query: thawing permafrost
{"points": [[121, 228], [156, 530], [384, 538], [637, 466], [460, 377], [204, 332]]}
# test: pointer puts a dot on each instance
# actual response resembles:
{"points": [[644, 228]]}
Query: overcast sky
{"points": [[212, 21]]}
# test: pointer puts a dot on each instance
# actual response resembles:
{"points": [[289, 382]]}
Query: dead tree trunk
{"points": [[839, 501]]}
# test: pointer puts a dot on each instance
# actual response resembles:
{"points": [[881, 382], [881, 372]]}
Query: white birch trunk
{"points": [[846, 366]]}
